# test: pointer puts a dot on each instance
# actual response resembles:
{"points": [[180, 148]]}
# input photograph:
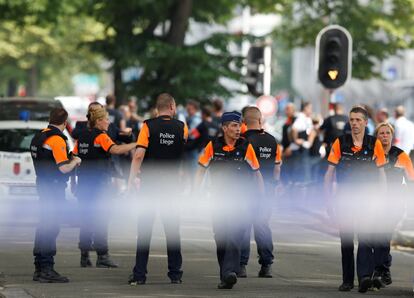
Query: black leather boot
{"points": [[49, 275], [104, 261], [84, 260], [36, 274]]}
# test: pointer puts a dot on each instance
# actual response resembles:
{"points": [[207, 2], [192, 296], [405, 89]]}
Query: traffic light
{"points": [[258, 73], [333, 56]]}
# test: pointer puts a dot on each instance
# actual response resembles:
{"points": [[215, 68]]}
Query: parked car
{"points": [[17, 175], [28, 108]]}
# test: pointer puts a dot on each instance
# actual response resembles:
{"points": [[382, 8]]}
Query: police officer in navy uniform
{"points": [[357, 161], [235, 177], [95, 148], [120, 136], [268, 153], [205, 132], [155, 171], [400, 175], [333, 126], [52, 163]]}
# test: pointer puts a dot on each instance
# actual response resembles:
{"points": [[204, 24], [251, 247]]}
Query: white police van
{"points": [[17, 175]]}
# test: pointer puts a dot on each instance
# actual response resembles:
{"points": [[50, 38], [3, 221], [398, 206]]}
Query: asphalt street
{"points": [[306, 248]]}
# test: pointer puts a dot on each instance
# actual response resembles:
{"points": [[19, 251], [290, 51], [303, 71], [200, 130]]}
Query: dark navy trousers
{"points": [[51, 201], [259, 215]]}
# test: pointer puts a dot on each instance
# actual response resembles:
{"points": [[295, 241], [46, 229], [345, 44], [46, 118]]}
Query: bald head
{"points": [[252, 117]]}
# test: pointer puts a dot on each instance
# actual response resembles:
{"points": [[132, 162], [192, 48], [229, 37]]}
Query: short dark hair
{"points": [[193, 103], [206, 110], [304, 105], [361, 110], [217, 104], [58, 116], [110, 99], [164, 101]]}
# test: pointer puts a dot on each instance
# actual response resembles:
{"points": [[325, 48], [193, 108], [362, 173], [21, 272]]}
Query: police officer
{"points": [[399, 170], [288, 161], [268, 153], [357, 161], [95, 148], [333, 126], [160, 147], [120, 136], [205, 132], [52, 164], [233, 165]]}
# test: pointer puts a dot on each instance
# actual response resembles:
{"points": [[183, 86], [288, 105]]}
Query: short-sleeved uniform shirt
{"points": [[208, 154], [58, 147], [335, 155], [144, 135], [103, 141]]}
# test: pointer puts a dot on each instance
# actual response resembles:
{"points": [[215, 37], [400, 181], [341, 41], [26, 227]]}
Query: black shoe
{"points": [[228, 281], [377, 282], [176, 281], [266, 271], [49, 275], [242, 272], [345, 287], [132, 281], [386, 278], [104, 261], [85, 261], [364, 284], [36, 273]]}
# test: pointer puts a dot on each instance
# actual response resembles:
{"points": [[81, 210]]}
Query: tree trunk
{"points": [[32, 81], [179, 22], [119, 91], [12, 87]]}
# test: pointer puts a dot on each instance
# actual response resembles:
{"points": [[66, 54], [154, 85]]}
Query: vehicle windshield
{"points": [[16, 140], [34, 110]]}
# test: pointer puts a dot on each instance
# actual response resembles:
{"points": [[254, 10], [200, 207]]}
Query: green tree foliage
{"points": [[151, 34], [45, 40], [41, 40], [378, 28]]}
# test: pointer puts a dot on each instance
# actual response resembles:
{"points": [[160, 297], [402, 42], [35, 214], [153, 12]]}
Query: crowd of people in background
{"points": [[306, 137]]}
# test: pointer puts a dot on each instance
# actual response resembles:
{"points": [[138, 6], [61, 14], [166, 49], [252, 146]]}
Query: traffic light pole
{"points": [[325, 100]]}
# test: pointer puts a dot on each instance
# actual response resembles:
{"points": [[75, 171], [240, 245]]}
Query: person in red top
{"points": [[357, 162], [400, 172], [95, 147], [235, 179]]}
